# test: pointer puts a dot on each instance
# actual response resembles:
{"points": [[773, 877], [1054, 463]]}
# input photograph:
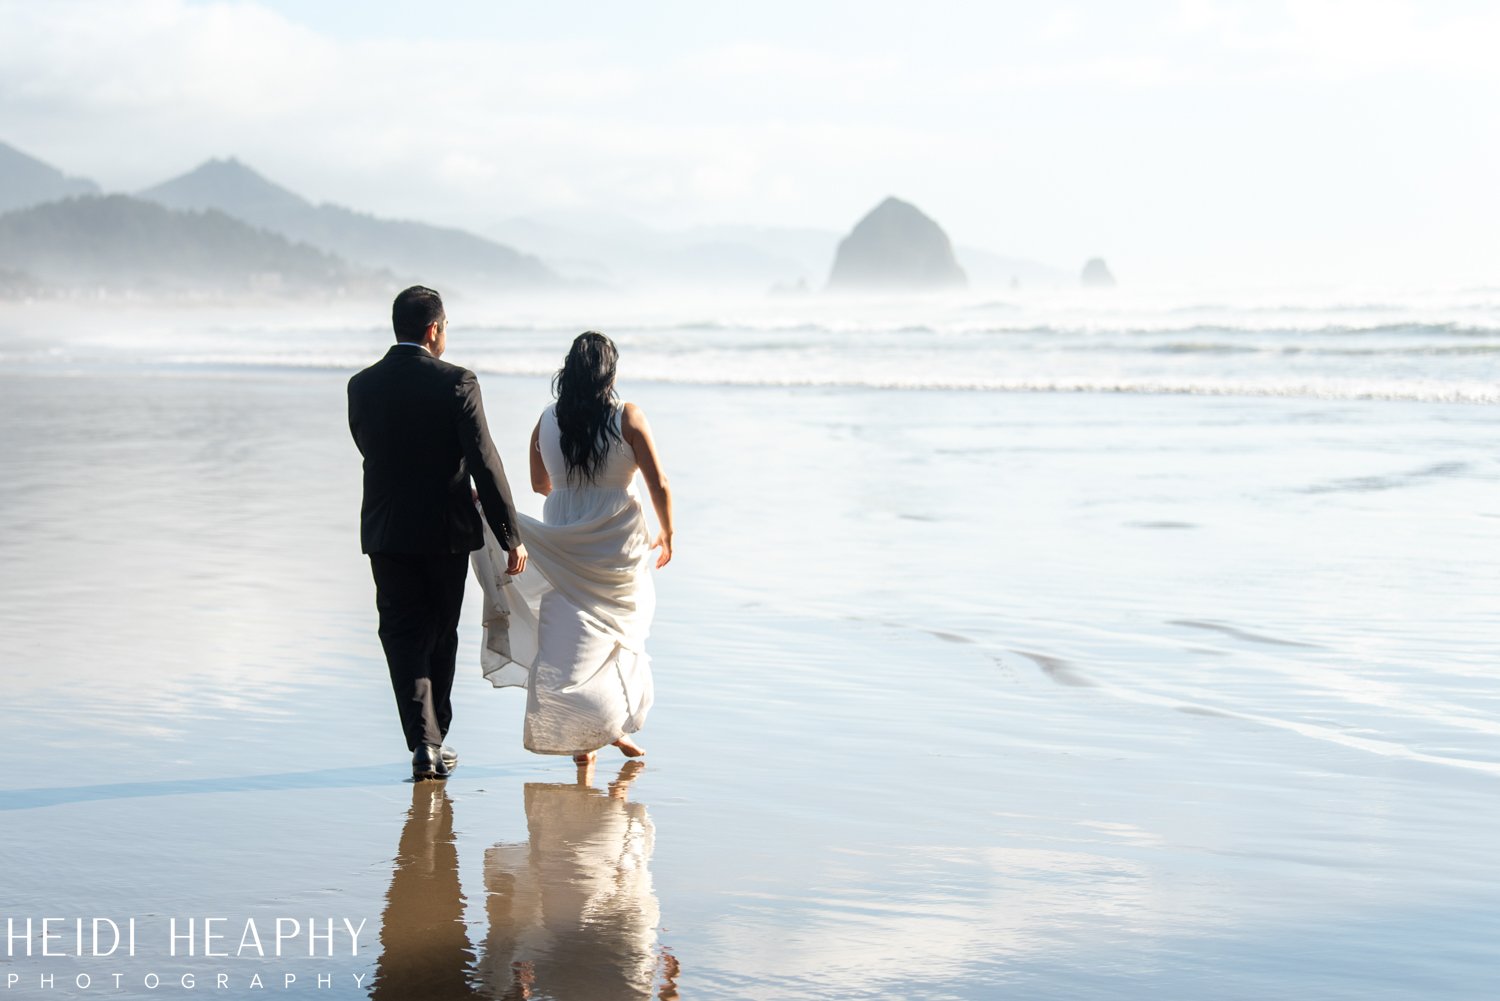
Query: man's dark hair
{"points": [[414, 311]]}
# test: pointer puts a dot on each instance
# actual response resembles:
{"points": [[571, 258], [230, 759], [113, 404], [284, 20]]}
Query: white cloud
{"points": [[1346, 40], [1059, 24]]}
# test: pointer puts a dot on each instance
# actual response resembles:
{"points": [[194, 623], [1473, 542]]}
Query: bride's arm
{"points": [[638, 436], [540, 481]]}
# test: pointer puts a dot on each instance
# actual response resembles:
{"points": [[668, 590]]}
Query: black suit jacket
{"points": [[419, 423]]}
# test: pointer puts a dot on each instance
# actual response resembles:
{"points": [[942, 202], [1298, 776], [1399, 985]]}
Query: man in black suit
{"points": [[419, 423]]}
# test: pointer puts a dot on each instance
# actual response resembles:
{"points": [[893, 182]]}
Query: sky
{"points": [[1189, 142]]}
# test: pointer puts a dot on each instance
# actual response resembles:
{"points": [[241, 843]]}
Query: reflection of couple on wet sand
{"points": [[568, 599], [571, 911]]}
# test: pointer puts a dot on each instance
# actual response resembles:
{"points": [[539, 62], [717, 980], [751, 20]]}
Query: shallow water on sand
{"points": [[960, 695]]}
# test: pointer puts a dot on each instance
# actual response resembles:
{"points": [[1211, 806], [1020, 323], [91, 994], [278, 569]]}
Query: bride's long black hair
{"points": [[586, 402]]}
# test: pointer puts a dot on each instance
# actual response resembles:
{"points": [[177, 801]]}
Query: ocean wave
{"points": [[1293, 308], [1413, 329], [1084, 327], [1327, 388], [899, 374], [1130, 330]]}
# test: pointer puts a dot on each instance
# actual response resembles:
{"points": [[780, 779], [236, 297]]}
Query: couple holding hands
{"points": [[568, 599]]}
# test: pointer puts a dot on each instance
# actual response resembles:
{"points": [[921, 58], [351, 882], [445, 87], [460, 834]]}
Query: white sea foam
{"points": [[1432, 348]]}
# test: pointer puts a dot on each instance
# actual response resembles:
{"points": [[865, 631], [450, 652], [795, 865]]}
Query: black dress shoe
{"points": [[449, 756], [427, 763]]}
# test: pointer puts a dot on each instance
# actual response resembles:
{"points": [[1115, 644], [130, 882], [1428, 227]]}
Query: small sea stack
{"points": [[896, 248], [1096, 274]]}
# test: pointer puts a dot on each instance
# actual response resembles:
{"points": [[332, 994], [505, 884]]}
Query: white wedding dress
{"points": [[572, 627]]}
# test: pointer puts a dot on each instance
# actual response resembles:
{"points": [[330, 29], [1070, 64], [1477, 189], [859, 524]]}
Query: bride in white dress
{"points": [[572, 626]]}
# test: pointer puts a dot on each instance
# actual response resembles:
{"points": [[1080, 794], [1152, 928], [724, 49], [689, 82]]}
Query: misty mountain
{"points": [[27, 181], [621, 251], [996, 271], [120, 243], [896, 247], [811, 248], [415, 252]]}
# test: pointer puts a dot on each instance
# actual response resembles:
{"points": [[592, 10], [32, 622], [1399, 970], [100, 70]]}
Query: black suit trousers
{"points": [[419, 597]]}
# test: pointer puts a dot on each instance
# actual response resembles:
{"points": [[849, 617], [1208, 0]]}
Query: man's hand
{"points": [[515, 560]]}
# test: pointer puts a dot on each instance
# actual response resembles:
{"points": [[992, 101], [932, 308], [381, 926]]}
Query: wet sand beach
{"points": [[959, 695]]}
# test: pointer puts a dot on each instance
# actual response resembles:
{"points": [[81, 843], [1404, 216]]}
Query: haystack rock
{"points": [[1096, 274], [896, 248]]}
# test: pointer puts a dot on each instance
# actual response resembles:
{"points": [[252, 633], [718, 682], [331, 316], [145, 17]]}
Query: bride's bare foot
{"points": [[630, 748], [583, 760]]}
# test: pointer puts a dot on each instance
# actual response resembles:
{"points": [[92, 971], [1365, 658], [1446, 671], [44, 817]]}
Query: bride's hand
{"points": [[664, 543]]}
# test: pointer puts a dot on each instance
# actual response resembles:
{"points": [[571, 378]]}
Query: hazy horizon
{"points": [[1190, 143]]}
